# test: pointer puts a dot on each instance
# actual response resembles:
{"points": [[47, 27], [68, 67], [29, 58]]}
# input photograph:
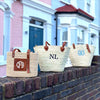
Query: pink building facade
{"points": [[16, 24], [1, 31]]}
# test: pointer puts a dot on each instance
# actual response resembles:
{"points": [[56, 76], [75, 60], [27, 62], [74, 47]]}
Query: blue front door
{"points": [[35, 37]]}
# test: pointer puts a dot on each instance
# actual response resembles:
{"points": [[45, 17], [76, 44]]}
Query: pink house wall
{"points": [[1, 31], [3, 71], [46, 1], [16, 25]]}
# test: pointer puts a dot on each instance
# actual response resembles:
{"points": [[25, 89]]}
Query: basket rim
{"points": [[51, 46]]}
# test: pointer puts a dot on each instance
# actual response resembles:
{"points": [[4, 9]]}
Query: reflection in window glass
{"points": [[36, 22], [92, 39], [88, 5], [80, 37], [65, 34]]}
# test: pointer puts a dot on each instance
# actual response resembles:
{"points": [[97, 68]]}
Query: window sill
{"points": [[2, 61]]}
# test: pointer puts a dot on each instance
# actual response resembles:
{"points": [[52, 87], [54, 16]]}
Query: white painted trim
{"points": [[68, 27], [36, 26], [4, 5], [39, 6], [2, 61], [75, 16], [85, 22], [92, 7], [27, 18], [2, 8], [94, 26], [7, 27], [42, 3]]}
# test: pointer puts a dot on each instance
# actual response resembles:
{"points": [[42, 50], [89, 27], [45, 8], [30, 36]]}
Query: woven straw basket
{"points": [[52, 58], [22, 64], [81, 55]]}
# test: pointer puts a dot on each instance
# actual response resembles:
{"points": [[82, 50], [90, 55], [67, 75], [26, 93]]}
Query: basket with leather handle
{"points": [[81, 55], [52, 58], [22, 64]]}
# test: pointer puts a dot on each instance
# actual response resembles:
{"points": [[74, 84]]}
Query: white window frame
{"points": [[92, 39], [7, 17], [92, 7], [88, 7], [80, 30], [61, 35]]}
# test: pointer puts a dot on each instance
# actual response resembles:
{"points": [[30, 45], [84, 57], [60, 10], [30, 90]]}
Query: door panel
{"points": [[35, 37]]}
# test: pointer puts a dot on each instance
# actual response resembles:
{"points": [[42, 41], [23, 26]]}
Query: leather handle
{"points": [[46, 47], [73, 46], [87, 46], [13, 52], [62, 48], [28, 61]]}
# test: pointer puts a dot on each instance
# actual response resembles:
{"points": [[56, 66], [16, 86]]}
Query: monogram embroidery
{"points": [[20, 64], [53, 56], [81, 52]]}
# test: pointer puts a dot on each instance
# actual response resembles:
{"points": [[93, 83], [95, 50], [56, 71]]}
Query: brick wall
{"points": [[72, 84]]}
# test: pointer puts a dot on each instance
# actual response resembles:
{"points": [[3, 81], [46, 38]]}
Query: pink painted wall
{"points": [[46, 1], [16, 25], [3, 71], [1, 31]]}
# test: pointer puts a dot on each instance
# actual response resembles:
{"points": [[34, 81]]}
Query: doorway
{"points": [[35, 37]]}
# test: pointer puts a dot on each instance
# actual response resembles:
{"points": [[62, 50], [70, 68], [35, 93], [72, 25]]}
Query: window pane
{"points": [[92, 39], [88, 1], [88, 5], [64, 34], [80, 36], [39, 23], [88, 8], [32, 21], [80, 43]]}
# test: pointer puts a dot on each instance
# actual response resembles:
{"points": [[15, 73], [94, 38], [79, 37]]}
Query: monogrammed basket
{"points": [[81, 55], [22, 64], [52, 58]]}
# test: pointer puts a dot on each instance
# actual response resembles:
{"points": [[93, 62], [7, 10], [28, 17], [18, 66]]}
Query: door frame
{"points": [[37, 26]]}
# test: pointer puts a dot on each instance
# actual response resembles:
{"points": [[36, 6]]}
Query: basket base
{"points": [[81, 66], [52, 69]]}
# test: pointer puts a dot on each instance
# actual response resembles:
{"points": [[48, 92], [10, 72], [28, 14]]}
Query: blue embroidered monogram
{"points": [[81, 52]]}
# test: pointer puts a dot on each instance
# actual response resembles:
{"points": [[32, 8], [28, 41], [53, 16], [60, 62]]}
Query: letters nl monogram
{"points": [[53, 56]]}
